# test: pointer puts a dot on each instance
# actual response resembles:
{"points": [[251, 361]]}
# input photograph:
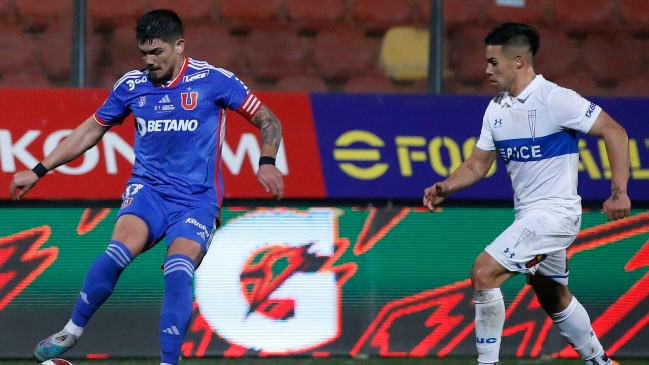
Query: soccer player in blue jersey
{"points": [[532, 124], [176, 188]]}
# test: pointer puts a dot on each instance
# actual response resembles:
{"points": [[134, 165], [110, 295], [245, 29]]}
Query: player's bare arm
{"points": [[271, 135], [471, 171], [618, 205], [82, 138]]}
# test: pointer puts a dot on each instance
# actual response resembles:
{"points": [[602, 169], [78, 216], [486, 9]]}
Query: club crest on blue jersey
{"points": [[189, 100], [142, 101]]}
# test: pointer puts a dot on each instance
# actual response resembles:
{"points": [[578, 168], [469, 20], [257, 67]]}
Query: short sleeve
{"points": [[231, 91], [486, 141], [114, 110], [569, 110]]}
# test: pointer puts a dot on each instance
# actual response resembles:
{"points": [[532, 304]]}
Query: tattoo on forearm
{"points": [[473, 171], [270, 127], [615, 192]]}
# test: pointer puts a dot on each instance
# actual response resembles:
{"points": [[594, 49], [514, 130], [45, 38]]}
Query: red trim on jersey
{"points": [[183, 69], [100, 121], [250, 106], [219, 165]]}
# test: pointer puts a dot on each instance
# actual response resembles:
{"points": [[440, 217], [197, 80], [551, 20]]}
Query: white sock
{"points": [[73, 328], [489, 322], [574, 324]]}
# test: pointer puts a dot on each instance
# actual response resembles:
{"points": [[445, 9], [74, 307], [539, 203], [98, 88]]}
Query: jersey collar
{"points": [[522, 97]]}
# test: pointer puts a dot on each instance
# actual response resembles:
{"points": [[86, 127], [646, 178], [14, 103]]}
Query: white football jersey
{"points": [[536, 136]]}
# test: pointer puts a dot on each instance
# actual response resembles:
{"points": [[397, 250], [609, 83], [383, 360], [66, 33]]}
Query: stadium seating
{"points": [[558, 54], [580, 17], [466, 53], [309, 16], [102, 79], [37, 15], [212, 44], [607, 56], [633, 86], [595, 46], [635, 14], [241, 16], [7, 12], [580, 82], [370, 84], [275, 52], [191, 12], [457, 13], [57, 40], [301, 83], [24, 79], [104, 15], [252, 84], [377, 16], [124, 55], [404, 53], [17, 44], [344, 52], [533, 12]]}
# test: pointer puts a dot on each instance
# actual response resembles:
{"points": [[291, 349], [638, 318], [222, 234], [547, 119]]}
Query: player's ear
{"points": [[179, 46], [519, 61]]}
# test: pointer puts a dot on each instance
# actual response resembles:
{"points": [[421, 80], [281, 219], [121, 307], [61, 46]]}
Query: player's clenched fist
{"points": [[434, 195], [618, 206]]}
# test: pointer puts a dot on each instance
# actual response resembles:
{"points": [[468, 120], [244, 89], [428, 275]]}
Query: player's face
{"points": [[500, 68], [163, 60]]}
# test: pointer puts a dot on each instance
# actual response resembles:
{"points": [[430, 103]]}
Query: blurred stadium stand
{"points": [[599, 47]]}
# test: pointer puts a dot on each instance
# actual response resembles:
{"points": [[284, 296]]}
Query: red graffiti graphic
{"points": [[21, 261], [435, 325], [90, 219], [377, 225]]}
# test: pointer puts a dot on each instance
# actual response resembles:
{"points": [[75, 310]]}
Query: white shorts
{"points": [[537, 242]]}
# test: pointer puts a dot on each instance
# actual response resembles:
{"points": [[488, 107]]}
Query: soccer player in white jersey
{"points": [[532, 124], [176, 187]]}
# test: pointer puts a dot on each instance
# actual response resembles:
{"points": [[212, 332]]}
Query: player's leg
{"points": [[550, 283], [189, 238], [128, 240], [514, 251], [179, 266], [487, 276], [139, 223]]}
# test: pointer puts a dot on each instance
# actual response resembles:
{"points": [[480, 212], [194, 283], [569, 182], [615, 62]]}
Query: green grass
{"points": [[331, 361]]}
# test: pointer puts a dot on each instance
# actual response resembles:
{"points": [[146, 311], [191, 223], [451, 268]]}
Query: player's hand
{"points": [[617, 206], [434, 195], [272, 180], [23, 181]]}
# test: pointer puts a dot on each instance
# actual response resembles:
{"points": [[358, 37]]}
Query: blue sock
{"points": [[100, 281], [176, 306]]}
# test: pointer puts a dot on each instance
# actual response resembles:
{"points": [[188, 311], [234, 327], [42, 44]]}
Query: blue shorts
{"points": [[170, 218]]}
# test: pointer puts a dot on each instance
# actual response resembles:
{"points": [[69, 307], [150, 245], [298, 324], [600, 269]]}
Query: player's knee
{"points": [[482, 277]]}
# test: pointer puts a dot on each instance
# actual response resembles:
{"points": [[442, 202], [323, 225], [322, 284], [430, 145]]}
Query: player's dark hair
{"points": [[514, 35], [161, 24]]}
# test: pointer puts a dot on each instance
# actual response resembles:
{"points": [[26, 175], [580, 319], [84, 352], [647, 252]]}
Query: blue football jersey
{"points": [[180, 127]]}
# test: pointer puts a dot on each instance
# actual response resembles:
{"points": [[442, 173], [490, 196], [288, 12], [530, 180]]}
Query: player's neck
{"points": [[178, 68], [521, 82]]}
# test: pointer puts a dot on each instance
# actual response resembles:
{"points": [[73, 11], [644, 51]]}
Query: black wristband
{"points": [[266, 160], [40, 170]]}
